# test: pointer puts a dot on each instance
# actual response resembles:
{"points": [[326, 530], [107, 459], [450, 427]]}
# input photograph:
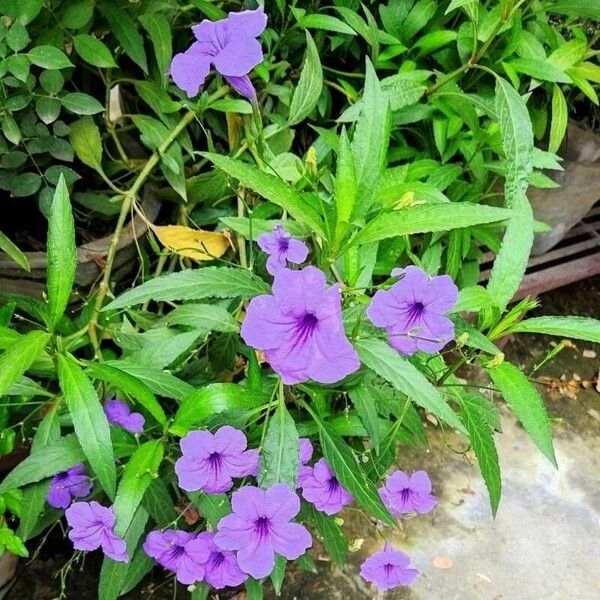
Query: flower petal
{"points": [[234, 532], [247, 22], [291, 540], [190, 68], [239, 56], [282, 503], [242, 85]]}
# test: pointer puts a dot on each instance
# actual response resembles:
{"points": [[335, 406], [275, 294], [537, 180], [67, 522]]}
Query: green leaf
{"points": [[589, 9], [131, 386], [19, 356], [406, 378], [11, 542], [78, 14], [34, 502], [517, 141], [48, 109], [137, 569], [307, 92], [159, 30], [62, 254], [362, 400], [280, 451], [579, 328], [81, 104], [472, 299], [84, 136], [7, 246], [201, 591], [371, 138], [429, 217], [346, 187], [539, 69], [89, 422], [211, 400], [159, 504], [331, 533], [254, 589], [202, 317], [325, 22], [197, 284], [213, 507], [56, 457], [49, 57], [568, 54], [483, 445], [527, 404], [93, 51], [242, 225], [125, 30], [272, 188], [278, 574], [560, 119], [232, 105], [346, 466]]}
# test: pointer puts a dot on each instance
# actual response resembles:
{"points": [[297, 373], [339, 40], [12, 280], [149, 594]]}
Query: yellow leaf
{"points": [[192, 243], [407, 200]]}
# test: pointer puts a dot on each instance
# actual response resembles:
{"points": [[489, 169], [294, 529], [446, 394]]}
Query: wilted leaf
{"points": [[192, 243]]}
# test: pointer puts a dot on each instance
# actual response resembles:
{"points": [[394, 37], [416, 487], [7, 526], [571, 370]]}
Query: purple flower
{"points": [[180, 552], [388, 569], [118, 413], [65, 486], [209, 462], [230, 45], [259, 527], [403, 494], [414, 311], [306, 452], [221, 568], [281, 248], [323, 490], [300, 329], [92, 527]]}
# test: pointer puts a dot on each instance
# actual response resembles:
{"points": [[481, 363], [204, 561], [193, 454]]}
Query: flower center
{"points": [[217, 559], [284, 244], [177, 551], [262, 527], [333, 485], [405, 494], [305, 327], [414, 313], [215, 460], [388, 569]]}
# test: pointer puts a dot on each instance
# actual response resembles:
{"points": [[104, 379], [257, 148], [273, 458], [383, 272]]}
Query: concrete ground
{"points": [[545, 542]]}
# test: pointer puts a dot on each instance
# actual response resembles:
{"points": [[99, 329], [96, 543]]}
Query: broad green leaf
{"points": [[346, 187], [474, 338], [349, 472], [560, 119], [568, 54], [579, 328], [7, 246], [89, 421], [81, 104], [131, 386], [201, 591], [207, 8], [325, 22], [84, 136], [365, 406], [300, 206], [202, 317], [62, 253], [472, 299], [159, 504], [307, 92], [482, 442], [140, 565], [78, 14], [244, 226], [471, 7], [11, 542], [19, 356], [48, 57], [589, 9], [539, 69], [196, 284], [331, 534], [280, 451], [527, 404], [93, 51], [406, 378], [254, 589], [429, 217], [213, 507], [278, 574], [371, 138], [56, 457], [211, 400], [159, 30], [517, 142], [123, 27], [232, 105]]}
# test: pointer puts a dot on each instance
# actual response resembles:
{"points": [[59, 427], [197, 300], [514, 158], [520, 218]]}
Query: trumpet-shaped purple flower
{"points": [[299, 328], [306, 452], [408, 494], [414, 311], [230, 45], [323, 490], [211, 461], [221, 567], [281, 248], [180, 552], [388, 569], [118, 413], [65, 486], [259, 527], [92, 527]]}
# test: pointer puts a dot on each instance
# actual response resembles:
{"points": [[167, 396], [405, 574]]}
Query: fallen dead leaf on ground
{"points": [[443, 562]]}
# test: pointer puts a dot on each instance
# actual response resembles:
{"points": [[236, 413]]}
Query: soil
{"points": [[576, 420]]}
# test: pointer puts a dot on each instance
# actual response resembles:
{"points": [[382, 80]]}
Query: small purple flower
{"points": [[323, 490], [118, 413], [180, 552], [230, 45], [92, 527], [299, 328], [65, 486], [221, 568], [388, 569], [211, 461], [408, 494], [259, 527], [281, 248], [414, 311], [306, 452]]}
